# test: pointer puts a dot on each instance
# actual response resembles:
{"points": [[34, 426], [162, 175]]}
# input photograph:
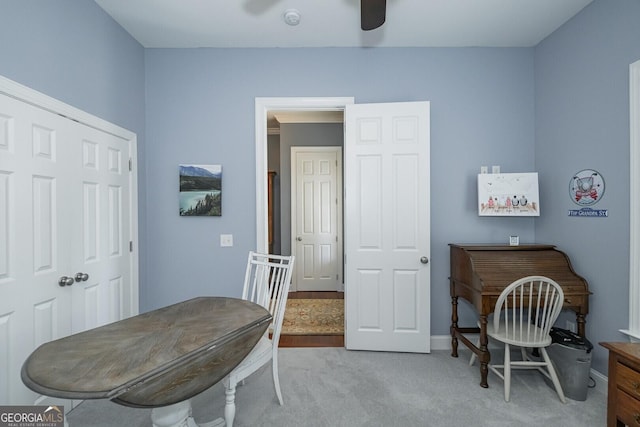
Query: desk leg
{"points": [[581, 324], [179, 415], [484, 355], [454, 326]]}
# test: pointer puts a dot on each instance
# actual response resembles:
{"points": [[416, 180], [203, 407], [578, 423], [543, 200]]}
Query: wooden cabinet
{"points": [[623, 402]]}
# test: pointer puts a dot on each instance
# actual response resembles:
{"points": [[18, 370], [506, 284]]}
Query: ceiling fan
{"points": [[372, 14]]}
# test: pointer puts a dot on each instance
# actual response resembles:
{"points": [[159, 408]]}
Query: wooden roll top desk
{"points": [[479, 273]]}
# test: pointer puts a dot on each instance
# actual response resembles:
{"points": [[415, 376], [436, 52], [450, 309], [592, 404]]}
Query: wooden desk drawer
{"points": [[628, 409], [574, 301], [628, 380]]}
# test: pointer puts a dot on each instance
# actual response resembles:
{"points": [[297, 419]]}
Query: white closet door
{"points": [[64, 209], [36, 189], [101, 243]]}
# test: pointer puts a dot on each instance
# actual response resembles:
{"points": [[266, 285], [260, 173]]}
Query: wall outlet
{"points": [[226, 240], [571, 326], [484, 169], [495, 169]]}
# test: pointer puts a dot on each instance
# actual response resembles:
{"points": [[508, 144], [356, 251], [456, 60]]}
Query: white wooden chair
{"points": [[524, 314], [267, 280]]}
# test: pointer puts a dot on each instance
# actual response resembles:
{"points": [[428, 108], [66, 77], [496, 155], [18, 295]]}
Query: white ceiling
{"points": [[336, 23]]}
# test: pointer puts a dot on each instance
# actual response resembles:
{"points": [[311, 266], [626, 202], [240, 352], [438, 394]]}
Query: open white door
{"points": [[387, 227]]}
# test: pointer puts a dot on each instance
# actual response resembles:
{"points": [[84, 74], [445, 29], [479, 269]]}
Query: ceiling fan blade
{"points": [[372, 13]]}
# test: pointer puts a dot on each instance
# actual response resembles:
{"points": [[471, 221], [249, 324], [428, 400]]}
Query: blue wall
{"points": [[555, 109], [73, 51], [582, 122], [200, 109]]}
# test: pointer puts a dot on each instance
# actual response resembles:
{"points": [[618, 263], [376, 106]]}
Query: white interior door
{"points": [[387, 227], [36, 181], [316, 217], [65, 208], [101, 236]]}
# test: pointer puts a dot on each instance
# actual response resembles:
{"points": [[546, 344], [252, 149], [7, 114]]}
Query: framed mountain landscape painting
{"points": [[200, 190]]}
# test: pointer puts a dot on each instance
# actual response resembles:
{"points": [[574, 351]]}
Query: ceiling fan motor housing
{"points": [[372, 14]]}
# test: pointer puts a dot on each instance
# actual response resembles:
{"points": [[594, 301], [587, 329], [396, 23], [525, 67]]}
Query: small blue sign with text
{"points": [[588, 212]]}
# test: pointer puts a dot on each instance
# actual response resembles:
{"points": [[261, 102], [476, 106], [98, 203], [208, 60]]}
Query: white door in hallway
{"points": [[387, 227], [317, 217], [64, 211]]}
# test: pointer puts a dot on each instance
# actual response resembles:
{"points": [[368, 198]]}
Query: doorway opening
{"points": [[389, 145], [264, 107], [289, 110]]}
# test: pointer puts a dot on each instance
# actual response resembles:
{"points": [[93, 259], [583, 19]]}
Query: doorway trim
{"points": [[262, 108], [634, 204]]}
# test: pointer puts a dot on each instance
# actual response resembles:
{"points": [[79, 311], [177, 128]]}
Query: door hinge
{"points": [[130, 245], [130, 164]]}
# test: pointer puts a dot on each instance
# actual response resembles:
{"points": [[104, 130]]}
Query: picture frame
{"points": [[200, 190], [508, 194]]}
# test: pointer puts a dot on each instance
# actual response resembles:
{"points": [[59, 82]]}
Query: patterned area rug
{"points": [[314, 317]]}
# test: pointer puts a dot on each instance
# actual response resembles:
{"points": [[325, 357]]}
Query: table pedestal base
{"points": [[179, 415]]}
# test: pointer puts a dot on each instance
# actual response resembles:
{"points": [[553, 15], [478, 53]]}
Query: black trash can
{"points": [[571, 357]]}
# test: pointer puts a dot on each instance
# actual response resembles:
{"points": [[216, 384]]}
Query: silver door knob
{"points": [[424, 260], [66, 281], [82, 277], [299, 239]]}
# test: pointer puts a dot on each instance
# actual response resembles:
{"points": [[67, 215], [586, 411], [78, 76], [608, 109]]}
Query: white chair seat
{"points": [[521, 337]]}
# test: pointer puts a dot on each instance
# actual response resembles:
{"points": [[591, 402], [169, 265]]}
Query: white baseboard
{"points": [[602, 382], [440, 342]]}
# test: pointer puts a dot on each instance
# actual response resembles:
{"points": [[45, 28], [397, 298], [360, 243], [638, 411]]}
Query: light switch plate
{"points": [[226, 240]]}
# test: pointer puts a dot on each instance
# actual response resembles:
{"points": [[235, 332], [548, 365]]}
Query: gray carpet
{"points": [[335, 387]]}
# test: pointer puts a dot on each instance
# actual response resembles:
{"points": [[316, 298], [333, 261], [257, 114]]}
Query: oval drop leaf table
{"points": [[155, 359]]}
